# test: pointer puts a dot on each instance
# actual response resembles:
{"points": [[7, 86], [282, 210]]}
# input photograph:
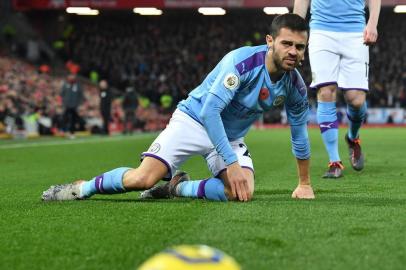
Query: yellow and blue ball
{"points": [[188, 257]]}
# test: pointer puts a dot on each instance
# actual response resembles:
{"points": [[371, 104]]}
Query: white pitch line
{"points": [[75, 141]]}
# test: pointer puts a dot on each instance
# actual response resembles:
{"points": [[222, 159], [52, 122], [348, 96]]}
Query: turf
{"points": [[357, 222]]}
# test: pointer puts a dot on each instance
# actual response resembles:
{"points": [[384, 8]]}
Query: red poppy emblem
{"points": [[263, 93]]}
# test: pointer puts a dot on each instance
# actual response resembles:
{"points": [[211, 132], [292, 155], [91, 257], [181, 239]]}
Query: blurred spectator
{"points": [[58, 125], [130, 104], [33, 50], [72, 97], [105, 105], [166, 101], [401, 99]]}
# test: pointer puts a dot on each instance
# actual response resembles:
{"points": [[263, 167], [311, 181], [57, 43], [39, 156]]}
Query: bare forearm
{"points": [[303, 166], [300, 7], [374, 10]]}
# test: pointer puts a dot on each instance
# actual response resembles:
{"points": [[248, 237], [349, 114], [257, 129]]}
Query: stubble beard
{"points": [[279, 61]]}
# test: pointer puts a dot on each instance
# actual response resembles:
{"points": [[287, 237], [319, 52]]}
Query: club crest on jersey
{"points": [[263, 93], [278, 100], [154, 148], [231, 81]]}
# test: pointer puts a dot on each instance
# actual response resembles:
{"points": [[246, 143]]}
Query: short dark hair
{"points": [[290, 21]]}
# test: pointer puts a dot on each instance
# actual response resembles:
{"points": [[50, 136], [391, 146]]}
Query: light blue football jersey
{"points": [[241, 81], [338, 15]]}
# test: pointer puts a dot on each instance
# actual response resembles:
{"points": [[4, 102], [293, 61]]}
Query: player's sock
{"points": [[328, 123], [110, 182], [211, 189], [188, 188], [355, 117]]}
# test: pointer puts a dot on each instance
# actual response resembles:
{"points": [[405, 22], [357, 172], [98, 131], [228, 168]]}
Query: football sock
{"points": [[211, 189], [188, 188], [355, 117], [328, 123], [110, 182]]}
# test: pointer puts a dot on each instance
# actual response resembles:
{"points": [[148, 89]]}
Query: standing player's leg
{"points": [[325, 61], [353, 80], [356, 113], [328, 123]]}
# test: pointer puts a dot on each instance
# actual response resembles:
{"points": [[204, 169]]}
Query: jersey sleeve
{"points": [[211, 118], [297, 104], [297, 110]]}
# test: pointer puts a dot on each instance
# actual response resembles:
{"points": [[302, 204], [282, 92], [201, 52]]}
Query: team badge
{"points": [[263, 93], [231, 81], [278, 100], [154, 148]]}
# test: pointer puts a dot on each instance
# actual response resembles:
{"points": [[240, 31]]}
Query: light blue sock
{"points": [[188, 188], [211, 189], [328, 123], [110, 182], [356, 117]]}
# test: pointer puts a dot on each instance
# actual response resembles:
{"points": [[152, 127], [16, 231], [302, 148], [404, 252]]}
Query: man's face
{"points": [[288, 48]]}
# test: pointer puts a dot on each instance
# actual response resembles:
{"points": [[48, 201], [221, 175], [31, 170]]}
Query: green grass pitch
{"points": [[358, 222]]}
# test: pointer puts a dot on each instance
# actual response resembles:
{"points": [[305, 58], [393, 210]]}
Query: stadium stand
{"points": [[158, 56], [178, 50]]}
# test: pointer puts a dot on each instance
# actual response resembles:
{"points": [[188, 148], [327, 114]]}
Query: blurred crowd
{"points": [[168, 55], [173, 54], [388, 63], [148, 64], [31, 99], [34, 102]]}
